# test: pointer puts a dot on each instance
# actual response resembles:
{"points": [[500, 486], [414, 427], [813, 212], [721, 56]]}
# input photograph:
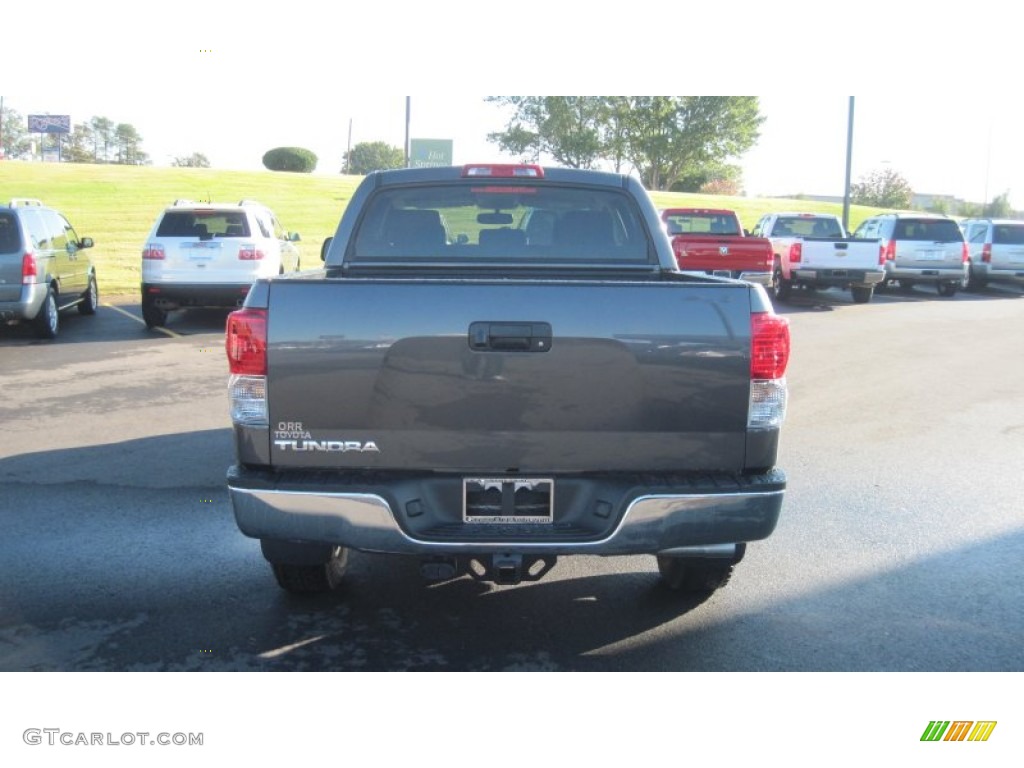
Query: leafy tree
{"points": [[129, 145], [1000, 207], [883, 189], [195, 160], [368, 156], [17, 144], [291, 159], [662, 137], [103, 136], [721, 175], [568, 128], [78, 146], [671, 135]]}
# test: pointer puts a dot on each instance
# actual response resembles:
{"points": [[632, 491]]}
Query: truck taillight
{"points": [[246, 342], [153, 252], [249, 252], [29, 269], [986, 253], [796, 252], [887, 252], [769, 356], [769, 346]]}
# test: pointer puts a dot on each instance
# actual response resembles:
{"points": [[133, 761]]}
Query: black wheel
{"points": [[152, 314], [697, 575], [782, 288], [694, 576], [906, 286], [90, 299], [975, 283], [47, 322], [312, 579], [947, 290], [862, 294]]}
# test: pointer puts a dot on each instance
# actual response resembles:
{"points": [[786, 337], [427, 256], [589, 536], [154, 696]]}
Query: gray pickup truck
{"points": [[498, 365]]}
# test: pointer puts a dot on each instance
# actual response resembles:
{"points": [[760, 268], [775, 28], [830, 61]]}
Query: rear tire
{"points": [[152, 314], [782, 288], [862, 295], [697, 575], [975, 283], [47, 323], [90, 299], [312, 579], [947, 290]]}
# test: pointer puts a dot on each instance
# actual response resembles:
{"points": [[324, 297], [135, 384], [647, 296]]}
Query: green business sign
{"points": [[429, 153]]}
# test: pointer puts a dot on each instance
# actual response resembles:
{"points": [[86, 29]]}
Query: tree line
{"points": [[98, 140], [682, 143]]}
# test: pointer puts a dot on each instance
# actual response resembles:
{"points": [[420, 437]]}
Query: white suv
{"points": [[919, 248], [209, 255], [997, 251]]}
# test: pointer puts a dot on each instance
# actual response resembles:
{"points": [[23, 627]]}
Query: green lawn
{"points": [[117, 205]]}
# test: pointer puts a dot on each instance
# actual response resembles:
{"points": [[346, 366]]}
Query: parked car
{"points": [[209, 255], [811, 250], [995, 251], [711, 240], [44, 267], [919, 248]]}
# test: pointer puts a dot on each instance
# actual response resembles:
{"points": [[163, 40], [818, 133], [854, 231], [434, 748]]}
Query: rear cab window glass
{"points": [[808, 226], [701, 224], [203, 224], [489, 221]]}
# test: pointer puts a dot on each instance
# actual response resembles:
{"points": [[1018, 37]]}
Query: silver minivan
{"points": [[996, 251], [919, 248], [43, 267]]}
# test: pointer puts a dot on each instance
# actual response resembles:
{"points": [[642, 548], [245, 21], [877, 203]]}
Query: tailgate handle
{"points": [[510, 337]]}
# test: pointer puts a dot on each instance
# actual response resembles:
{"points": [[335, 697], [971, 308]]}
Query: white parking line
{"points": [[137, 319]]}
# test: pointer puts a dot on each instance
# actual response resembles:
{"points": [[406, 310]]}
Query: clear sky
{"points": [[232, 80]]}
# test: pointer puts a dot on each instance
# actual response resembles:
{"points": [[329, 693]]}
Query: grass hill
{"points": [[117, 205]]}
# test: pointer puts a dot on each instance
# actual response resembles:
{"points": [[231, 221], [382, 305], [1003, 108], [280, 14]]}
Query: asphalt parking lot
{"points": [[899, 546]]}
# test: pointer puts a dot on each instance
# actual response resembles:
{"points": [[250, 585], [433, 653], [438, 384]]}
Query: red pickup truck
{"points": [[711, 240]]}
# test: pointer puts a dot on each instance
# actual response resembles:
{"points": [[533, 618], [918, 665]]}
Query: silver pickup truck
{"points": [[811, 250], [499, 365]]}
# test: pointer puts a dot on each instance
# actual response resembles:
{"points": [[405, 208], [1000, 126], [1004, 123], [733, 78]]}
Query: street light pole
{"points": [[849, 163], [408, 107]]}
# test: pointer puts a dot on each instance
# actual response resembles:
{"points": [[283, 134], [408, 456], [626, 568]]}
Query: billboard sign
{"points": [[430, 153], [49, 123]]}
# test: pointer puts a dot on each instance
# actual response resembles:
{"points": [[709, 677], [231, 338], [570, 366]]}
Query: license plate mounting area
{"points": [[508, 500]]}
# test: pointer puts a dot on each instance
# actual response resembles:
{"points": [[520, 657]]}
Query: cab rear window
{"points": [[700, 224], [807, 226], [203, 225], [489, 221]]}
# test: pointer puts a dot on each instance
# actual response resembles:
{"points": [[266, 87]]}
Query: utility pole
{"points": [[849, 163], [348, 151], [408, 107]]}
